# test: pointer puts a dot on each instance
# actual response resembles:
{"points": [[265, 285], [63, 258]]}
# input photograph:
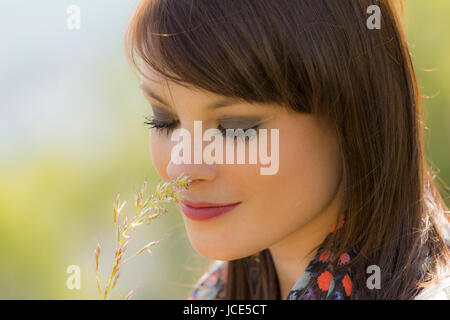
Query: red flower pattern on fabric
{"points": [[348, 285], [344, 258], [324, 280], [326, 256]]}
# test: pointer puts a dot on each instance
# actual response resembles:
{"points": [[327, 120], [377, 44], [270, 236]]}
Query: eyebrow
{"points": [[216, 105]]}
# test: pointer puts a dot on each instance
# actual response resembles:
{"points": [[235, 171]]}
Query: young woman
{"points": [[352, 211]]}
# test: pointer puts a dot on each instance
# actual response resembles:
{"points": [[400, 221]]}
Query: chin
{"points": [[219, 251]]}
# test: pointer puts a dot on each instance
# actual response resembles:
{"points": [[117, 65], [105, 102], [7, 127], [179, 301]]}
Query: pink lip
{"points": [[205, 210]]}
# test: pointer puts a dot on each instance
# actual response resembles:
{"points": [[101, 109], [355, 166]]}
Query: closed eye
{"points": [[237, 132], [160, 125], [169, 126]]}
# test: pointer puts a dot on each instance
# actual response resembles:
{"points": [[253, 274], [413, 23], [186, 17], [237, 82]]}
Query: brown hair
{"points": [[318, 56]]}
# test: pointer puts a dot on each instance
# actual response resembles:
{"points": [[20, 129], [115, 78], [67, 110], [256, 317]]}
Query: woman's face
{"points": [[272, 207]]}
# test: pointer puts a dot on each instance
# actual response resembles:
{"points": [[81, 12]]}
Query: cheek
{"points": [[310, 172], [305, 185], [160, 153]]}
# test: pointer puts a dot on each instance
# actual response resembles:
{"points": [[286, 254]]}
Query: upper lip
{"points": [[207, 204]]}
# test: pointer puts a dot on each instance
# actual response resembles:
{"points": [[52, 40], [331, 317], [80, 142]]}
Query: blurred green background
{"points": [[72, 136]]}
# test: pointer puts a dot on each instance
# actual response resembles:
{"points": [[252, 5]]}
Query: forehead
{"points": [[171, 93], [153, 79]]}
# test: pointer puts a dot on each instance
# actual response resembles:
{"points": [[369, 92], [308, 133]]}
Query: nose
{"points": [[196, 172]]}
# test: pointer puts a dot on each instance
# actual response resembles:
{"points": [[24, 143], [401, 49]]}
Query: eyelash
{"points": [[168, 126], [160, 126]]}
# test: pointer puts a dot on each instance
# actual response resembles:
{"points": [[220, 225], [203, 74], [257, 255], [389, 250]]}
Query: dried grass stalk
{"points": [[146, 211]]}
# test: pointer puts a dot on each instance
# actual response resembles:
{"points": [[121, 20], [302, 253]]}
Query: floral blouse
{"points": [[319, 281]]}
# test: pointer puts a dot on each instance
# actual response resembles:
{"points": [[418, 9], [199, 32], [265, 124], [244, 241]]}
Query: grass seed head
{"points": [[146, 212]]}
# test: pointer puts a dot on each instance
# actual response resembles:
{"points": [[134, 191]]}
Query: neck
{"points": [[292, 255]]}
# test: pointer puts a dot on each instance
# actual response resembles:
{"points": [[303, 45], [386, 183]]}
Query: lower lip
{"points": [[202, 214]]}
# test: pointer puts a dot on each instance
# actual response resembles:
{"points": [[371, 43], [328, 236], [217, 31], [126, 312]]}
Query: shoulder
{"points": [[211, 284], [438, 291]]}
